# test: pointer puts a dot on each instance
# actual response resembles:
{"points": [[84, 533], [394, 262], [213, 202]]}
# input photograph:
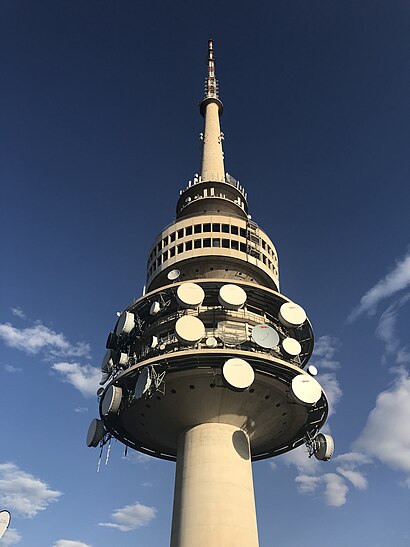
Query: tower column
{"points": [[212, 157], [214, 501]]}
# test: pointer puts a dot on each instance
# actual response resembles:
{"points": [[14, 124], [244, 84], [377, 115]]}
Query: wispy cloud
{"points": [[131, 517], [38, 338], [386, 331], [18, 312], [84, 378], [11, 537], [324, 358], [22, 493], [395, 281], [81, 409], [133, 456], [12, 369], [336, 489], [70, 543]]}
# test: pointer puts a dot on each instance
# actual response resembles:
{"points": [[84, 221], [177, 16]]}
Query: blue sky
{"points": [[99, 132]]}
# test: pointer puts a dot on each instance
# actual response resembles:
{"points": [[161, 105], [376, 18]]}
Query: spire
{"points": [[211, 108]]}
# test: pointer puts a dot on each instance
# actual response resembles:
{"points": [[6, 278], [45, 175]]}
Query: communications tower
{"points": [[209, 368]]}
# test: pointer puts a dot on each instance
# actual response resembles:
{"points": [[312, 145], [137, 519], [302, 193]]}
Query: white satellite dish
{"points": [[232, 297], [292, 315], [111, 401], [265, 336], [291, 347], [4, 521], [173, 275], [211, 342], [306, 389], [189, 329], [155, 308], [238, 373], [190, 295], [143, 383], [324, 447], [125, 323], [108, 361], [312, 370], [95, 433]]}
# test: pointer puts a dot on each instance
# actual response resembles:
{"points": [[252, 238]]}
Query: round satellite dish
{"points": [[100, 391], [108, 361], [325, 447], [291, 347], [173, 275], [153, 342], [292, 315], [4, 521], [312, 370], [306, 389], [125, 323], [112, 341], [162, 347], [155, 308], [143, 383], [111, 401], [265, 336], [95, 433], [122, 358], [211, 342], [190, 295], [238, 373], [232, 332], [232, 297], [189, 329], [104, 378]]}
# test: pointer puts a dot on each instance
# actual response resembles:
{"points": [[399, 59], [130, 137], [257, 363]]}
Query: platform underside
{"points": [[194, 392]]}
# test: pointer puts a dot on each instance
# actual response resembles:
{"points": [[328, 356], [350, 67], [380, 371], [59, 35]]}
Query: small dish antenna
{"points": [[306, 389], [292, 315], [100, 391], [323, 446], [125, 323], [265, 336], [111, 401], [232, 333], [291, 347], [143, 384], [232, 297], [95, 433], [238, 373], [211, 342], [190, 295], [189, 329], [107, 364], [155, 308], [173, 275], [153, 341], [4, 521], [312, 370]]}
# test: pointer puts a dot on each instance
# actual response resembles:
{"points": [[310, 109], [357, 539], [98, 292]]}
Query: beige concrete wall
{"points": [[214, 500], [212, 157]]}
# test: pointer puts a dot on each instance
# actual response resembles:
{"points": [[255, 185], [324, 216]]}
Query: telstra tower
{"points": [[207, 368]]}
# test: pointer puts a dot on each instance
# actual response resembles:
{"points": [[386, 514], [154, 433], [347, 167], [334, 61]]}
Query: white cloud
{"points": [[386, 332], [386, 435], [323, 356], [131, 517], [133, 456], [85, 378], [12, 369], [70, 543], [395, 281], [300, 458], [336, 490], [357, 478], [38, 338], [332, 389], [11, 537], [81, 409], [23, 494], [306, 484], [18, 312]]}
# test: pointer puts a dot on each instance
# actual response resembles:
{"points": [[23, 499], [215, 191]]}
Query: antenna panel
{"points": [[125, 323], [155, 308], [143, 383], [108, 361], [325, 447], [111, 401], [95, 433]]}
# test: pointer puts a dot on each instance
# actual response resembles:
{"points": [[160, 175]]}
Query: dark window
{"points": [[197, 244], [234, 230], [172, 252], [243, 247], [264, 259], [207, 228], [263, 244], [165, 241], [188, 246], [172, 236], [158, 247], [225, 243], [216, 243], [207, 242], [197, 229], [216, 227], [180, 248], [225, 228], [242, 232], [235, 245], [180, 233], [165, 256], [158, 261], [188, 230]]}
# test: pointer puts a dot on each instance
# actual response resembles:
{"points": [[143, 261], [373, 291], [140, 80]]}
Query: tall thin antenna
{"points": [[211, 84]]}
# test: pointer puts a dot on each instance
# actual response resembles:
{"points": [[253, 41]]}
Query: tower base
{"points": [[214, 503]]}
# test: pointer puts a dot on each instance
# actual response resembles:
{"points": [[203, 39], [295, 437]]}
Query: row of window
{"points": [[205, 228], [210, 242]]}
